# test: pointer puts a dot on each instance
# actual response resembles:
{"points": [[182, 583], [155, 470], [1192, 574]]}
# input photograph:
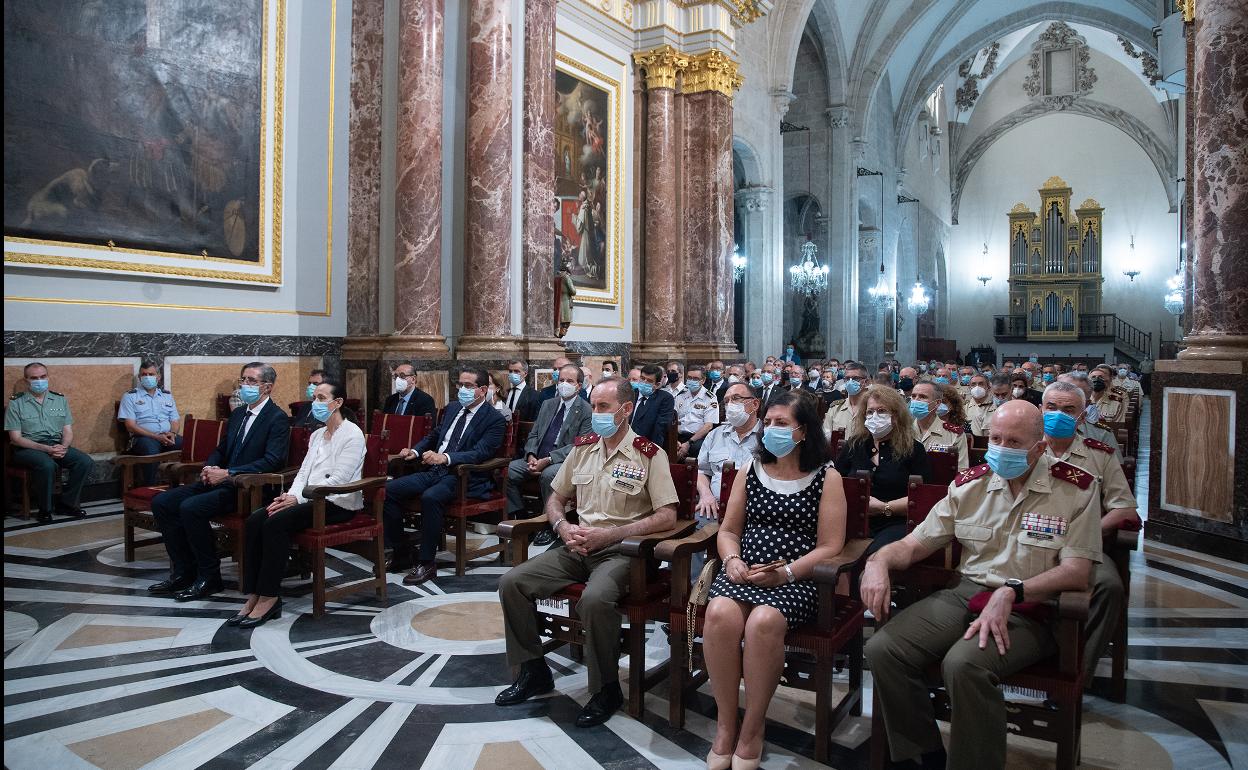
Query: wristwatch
{"points": [[1017, 585], [788, 574]]}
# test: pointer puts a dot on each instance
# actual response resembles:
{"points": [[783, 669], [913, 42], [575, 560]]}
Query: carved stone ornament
{"points": [[1148, 62], [968, 92], [1058, 36], [753, 199]]}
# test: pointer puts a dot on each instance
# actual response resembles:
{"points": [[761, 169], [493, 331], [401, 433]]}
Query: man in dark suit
{"points": [[655, 408], [520, 399], [560, 421], [772, 387], [255, 441], [407, 398], [302, 418], [471, 432], [549, 391]]}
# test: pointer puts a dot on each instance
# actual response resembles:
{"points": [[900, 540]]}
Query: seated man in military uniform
{"points": [[1110, 399], [697, 412], [151, 418], [1029, 529], [40, 428], [623, 488], [935, 434]]}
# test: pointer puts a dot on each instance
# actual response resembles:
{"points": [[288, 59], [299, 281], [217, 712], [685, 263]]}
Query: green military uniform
{"points": [[612, 489], [943, 436], [839, 416], [1056, 517], [44, 423]]}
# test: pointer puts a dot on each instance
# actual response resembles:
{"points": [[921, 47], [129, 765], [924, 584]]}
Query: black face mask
{"points": [[905, 383], [1098, 385], [673, 376]]}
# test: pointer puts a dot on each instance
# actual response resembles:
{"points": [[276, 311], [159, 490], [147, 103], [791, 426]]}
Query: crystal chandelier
{"points": [[918, 301], [881, 293], [1174, 294], [738, 264], [809, 278]]}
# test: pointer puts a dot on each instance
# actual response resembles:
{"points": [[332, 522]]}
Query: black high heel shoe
{"points": [[274, 612]]}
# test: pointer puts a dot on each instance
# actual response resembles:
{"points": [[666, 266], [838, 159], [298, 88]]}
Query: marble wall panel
{"points": [[356, 381], [364, 166], [93, 391], [662, 277], [1198, 468], [437, 383], [29, 344], [539, 166]]}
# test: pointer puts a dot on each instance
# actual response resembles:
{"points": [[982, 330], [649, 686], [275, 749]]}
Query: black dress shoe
{"points": [[73, 513], [534, 679], [202, 589], [600, 707], [171, 585], [426, 570], [274, 612], [43, 517], [545, 537]]}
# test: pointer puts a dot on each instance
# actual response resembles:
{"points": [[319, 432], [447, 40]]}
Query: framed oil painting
{"points": [[138, 137], [588, 184]]}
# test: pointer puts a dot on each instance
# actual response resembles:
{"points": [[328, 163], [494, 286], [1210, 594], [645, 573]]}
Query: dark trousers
{"points": [[182, 514], [268, 543], [44, 469], [434, 489], [885, 530], [695, 447], [146, 445]]}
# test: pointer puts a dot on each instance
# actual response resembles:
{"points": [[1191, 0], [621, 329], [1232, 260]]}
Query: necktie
{"points": [[242, 432], [461, 419], [552, 433], [511, 401], [641, 404]]}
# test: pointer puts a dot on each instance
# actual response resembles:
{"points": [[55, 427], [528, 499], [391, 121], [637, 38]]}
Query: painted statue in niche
{"points": [[135, 123], [581, 181]]}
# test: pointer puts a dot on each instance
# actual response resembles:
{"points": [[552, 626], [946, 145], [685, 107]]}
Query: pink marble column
{"points": [[1220, 270], [661, 256], [487, 247], [418, 193], [364, 168], [539, 168]]}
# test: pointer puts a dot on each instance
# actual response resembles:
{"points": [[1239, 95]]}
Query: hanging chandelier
{"points": [[984, 277], [809, 277], [918, 301], [1173, 299], [881, 293]]}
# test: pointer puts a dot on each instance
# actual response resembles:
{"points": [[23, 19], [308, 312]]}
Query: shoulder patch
{"points": [[162, 390], [1118, 392], [646, 446], [587, 439], [1092, 443], [57, 393], [970, 474], [134, 391], [954, 428], [1072, 473]]}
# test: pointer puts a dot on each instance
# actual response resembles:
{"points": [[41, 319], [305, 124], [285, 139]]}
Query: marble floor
{"points": [[99, 674]]}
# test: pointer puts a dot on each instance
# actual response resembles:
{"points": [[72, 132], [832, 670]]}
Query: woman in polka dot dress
{"points": [[788, 506]]}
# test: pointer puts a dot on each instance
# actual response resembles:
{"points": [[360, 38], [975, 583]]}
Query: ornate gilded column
{"points": [[661, 265], [707, 87], [364, 168], [488, 171]]}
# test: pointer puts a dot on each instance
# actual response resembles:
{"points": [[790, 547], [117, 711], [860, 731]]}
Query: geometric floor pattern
{"points": [[99, 674]]}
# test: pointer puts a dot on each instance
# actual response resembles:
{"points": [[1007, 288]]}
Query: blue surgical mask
{"points": [[311, 391], [756, 382], [644, 389], [1122, 374], [1059, 424], [942, 409], [1047, 377], [795, 382], [779, 441], [467, 395], [715, 374], [852, 387], [767, 378], [966, 379], [514, 378], [148, 382], [942, 380], [1006, 462], [694, 386], [321, 410], [788, 351], [38, 387], [919, 409], [603, 423], [1034, 360], [250, 394], [922, 367]]}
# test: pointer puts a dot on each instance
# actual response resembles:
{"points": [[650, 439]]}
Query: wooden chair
{"points": [[15, 475], [400, 431], [252, 495], [810, 650], [977, 442], [648, 594], [944, 466], [838, 438], [223, 406], [199, 439], [1117, 547], [1056, 716], [673, 441], [977, 456]]}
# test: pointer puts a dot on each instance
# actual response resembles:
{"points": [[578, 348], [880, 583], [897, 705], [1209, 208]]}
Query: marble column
{"points": [[870, 326], [418, 185], [539, 178], [364, 168], [661, 257], [842, 321], [488, 171], [1220, 306], [753, 205]]}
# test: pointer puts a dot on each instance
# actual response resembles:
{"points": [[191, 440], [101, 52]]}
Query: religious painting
{"points": [[134, 134], [587, 181]]}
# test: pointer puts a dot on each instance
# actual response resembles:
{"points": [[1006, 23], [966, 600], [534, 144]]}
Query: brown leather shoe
{"points": [[422, 572]]}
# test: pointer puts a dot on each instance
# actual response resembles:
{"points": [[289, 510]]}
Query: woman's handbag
{"points": [[698, 596]]}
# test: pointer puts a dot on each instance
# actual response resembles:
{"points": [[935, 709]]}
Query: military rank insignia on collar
{"points": [[1092, 443], [1072, 473], [588, 438], [646, 446], [970, 474], [954, 428]]}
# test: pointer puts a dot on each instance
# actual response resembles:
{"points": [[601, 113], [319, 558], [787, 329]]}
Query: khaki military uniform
{"points": [[1112, 403], [693, 412], [1129, 386], [612, 489], [979, 415], [1102, 434], [839, 416], [1054, 518], [946, 437]]}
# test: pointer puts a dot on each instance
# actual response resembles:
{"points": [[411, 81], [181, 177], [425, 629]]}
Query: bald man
{"points": [[1029, 526]]}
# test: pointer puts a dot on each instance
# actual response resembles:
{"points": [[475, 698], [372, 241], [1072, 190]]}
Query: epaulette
{"points": [[587, 439], [1092, 443], [167, 393], [646, 446], [954, 428], [1118, 393], [1072, 473], [135, 391], [57, 393], [970, 474]]}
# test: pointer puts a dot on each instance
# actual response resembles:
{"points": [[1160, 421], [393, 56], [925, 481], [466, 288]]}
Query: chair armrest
{"points": [[182, 470], [684, 547], [1073, 604], [643, 545], [516, 528], [371, 482], [163, 457], [850, 557], [253, 480], [489, 465]]}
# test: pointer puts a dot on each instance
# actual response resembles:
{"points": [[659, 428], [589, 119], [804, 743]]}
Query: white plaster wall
{"points": [[1099, 162], [308, 302]]}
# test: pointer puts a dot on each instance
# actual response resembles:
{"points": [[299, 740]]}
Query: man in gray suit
{"points": [[559, 421]]}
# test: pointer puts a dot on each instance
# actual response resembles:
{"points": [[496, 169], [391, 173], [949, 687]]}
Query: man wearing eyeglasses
{"points": [[255, 441], [841, 414], [407, 398]]}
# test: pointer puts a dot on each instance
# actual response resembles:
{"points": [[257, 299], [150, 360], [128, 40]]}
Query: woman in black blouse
{"points": [[881, 440]]}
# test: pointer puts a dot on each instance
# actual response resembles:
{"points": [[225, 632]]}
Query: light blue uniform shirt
{"points": [[152, 412]]}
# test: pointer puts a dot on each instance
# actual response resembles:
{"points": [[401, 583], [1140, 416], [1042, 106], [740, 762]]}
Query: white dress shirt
{"points": [[465, 416]]}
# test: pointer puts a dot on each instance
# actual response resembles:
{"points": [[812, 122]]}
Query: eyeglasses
{"points": [[740, 399], [249, 381]]}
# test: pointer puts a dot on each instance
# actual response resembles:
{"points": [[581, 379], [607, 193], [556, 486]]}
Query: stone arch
{"points": [[790, 26], [745, 162]]}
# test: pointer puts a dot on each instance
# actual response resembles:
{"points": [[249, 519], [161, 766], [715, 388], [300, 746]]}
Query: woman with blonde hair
{"points": [[495, 397], [952, 408], [882, 441]]}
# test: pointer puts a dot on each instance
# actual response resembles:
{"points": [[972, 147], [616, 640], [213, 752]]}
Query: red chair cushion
{"points": [[488, 504], [362, 526], [140, 498]]}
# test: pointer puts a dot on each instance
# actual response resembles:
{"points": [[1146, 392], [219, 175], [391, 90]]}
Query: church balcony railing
{"points": [[1093, 327]]}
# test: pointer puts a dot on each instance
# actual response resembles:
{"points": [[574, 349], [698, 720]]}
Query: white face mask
{"points": [[733, 379], [400, 385], [736, 415], [566, 390], [813, 374], [978, 392], [880, 424], [606, 374], [1017, 392]]}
